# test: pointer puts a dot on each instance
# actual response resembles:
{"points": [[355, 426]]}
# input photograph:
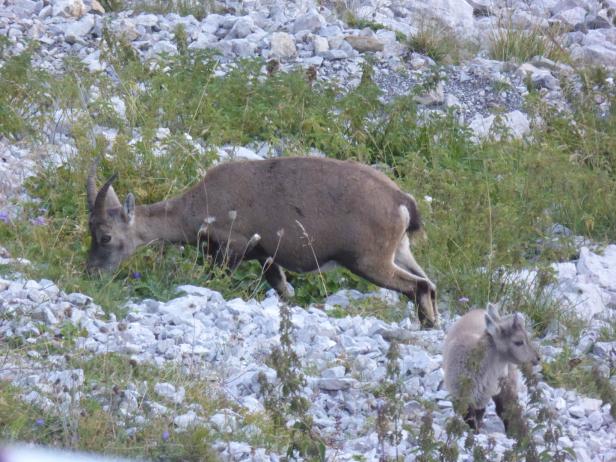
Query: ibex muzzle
{"points": [[298, 213]]}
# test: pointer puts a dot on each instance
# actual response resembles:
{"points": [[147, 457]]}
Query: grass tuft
{"points": [[520, 45], [439, 42]]}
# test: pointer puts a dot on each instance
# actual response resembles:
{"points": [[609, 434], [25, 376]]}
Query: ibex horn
{"points": [[99, 203], [91, 184]]}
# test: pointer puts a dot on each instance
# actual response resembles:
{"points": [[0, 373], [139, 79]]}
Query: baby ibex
{"points": [[303, 214], [479, 357]]}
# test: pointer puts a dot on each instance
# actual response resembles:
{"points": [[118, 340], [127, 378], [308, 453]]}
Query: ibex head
{"points": [[111, 225], [510, 337]]}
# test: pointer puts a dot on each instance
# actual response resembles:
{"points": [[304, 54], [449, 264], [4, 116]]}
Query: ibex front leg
{"points": [[274, 275], [228, 248]]}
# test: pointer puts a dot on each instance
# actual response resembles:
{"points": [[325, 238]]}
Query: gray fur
{"points": [[480, 355], [308, 212]]}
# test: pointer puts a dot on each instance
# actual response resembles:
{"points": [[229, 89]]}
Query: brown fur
{"points": [[306, 211]]}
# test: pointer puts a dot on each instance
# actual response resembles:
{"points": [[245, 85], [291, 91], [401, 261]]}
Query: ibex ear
{"points": [[492, 327], [518, 321], [492, 309], [129, 208]]}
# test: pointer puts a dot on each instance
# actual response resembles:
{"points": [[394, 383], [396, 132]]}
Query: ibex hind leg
{"points": [[385, 273], [404, 258], [425, 299]]}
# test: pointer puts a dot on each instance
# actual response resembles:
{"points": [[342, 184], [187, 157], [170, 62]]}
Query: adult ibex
{"points": [[303, 214]]}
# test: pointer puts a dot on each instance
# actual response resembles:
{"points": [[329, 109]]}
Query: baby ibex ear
{"points": [[518, 321], [492, 327], [492, 309], [129, 208], [492, 318]]}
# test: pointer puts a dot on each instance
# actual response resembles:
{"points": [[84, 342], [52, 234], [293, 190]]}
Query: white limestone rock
{"points": [[77, 30], [283, 45], [68, 8]]}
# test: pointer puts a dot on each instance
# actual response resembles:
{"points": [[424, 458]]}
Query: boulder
{"points": [[283, 45], [77, 30], [600, 269], [319, 44], [311, 21], [68, 8], [364, 43], [454, 14], [243, 26]]}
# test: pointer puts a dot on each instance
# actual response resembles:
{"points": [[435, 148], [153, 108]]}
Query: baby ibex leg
{"points": [[507, 406], [474, 417]]}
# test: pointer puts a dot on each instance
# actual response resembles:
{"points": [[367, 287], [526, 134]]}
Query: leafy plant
{"points": [[284, 400]]}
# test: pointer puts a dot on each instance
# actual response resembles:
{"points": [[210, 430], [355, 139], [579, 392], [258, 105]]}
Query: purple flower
{"points": [[39, 422], [463, 299], [135, 275], [165, 435], [39, 221], [4, 217]]}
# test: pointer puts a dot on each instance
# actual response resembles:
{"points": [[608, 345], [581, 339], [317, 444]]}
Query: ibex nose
{"points": [[537, 359], [92, 270]]}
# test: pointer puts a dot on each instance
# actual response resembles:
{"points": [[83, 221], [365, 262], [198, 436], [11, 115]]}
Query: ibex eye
{"points": [[105, 239], [518, 342]]}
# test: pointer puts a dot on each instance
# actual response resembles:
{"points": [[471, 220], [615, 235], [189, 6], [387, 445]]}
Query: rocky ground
{"points": [[346, 357]]}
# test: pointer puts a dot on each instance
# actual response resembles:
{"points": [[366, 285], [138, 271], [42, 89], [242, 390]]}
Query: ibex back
{"points": [[300, 213]]}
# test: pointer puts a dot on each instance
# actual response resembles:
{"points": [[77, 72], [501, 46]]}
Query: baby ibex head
{"points": [[111, 226], [510, 337]]}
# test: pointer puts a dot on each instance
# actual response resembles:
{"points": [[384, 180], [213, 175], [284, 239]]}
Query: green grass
{"points": [[440, 43], [361, 23], [90, 425], [94, 421], [372, 306], [491, 202], [197, 8], [520, 45], [580, 374]]}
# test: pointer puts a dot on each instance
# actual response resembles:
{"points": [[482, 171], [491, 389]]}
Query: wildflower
{"points": [[463, 299], [165, 435], [39, 422], [4, 217], [39, 221], [135, 275]]}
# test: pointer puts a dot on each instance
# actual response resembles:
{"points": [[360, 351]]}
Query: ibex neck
{"points": [[164, 220], [493, 362]]}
